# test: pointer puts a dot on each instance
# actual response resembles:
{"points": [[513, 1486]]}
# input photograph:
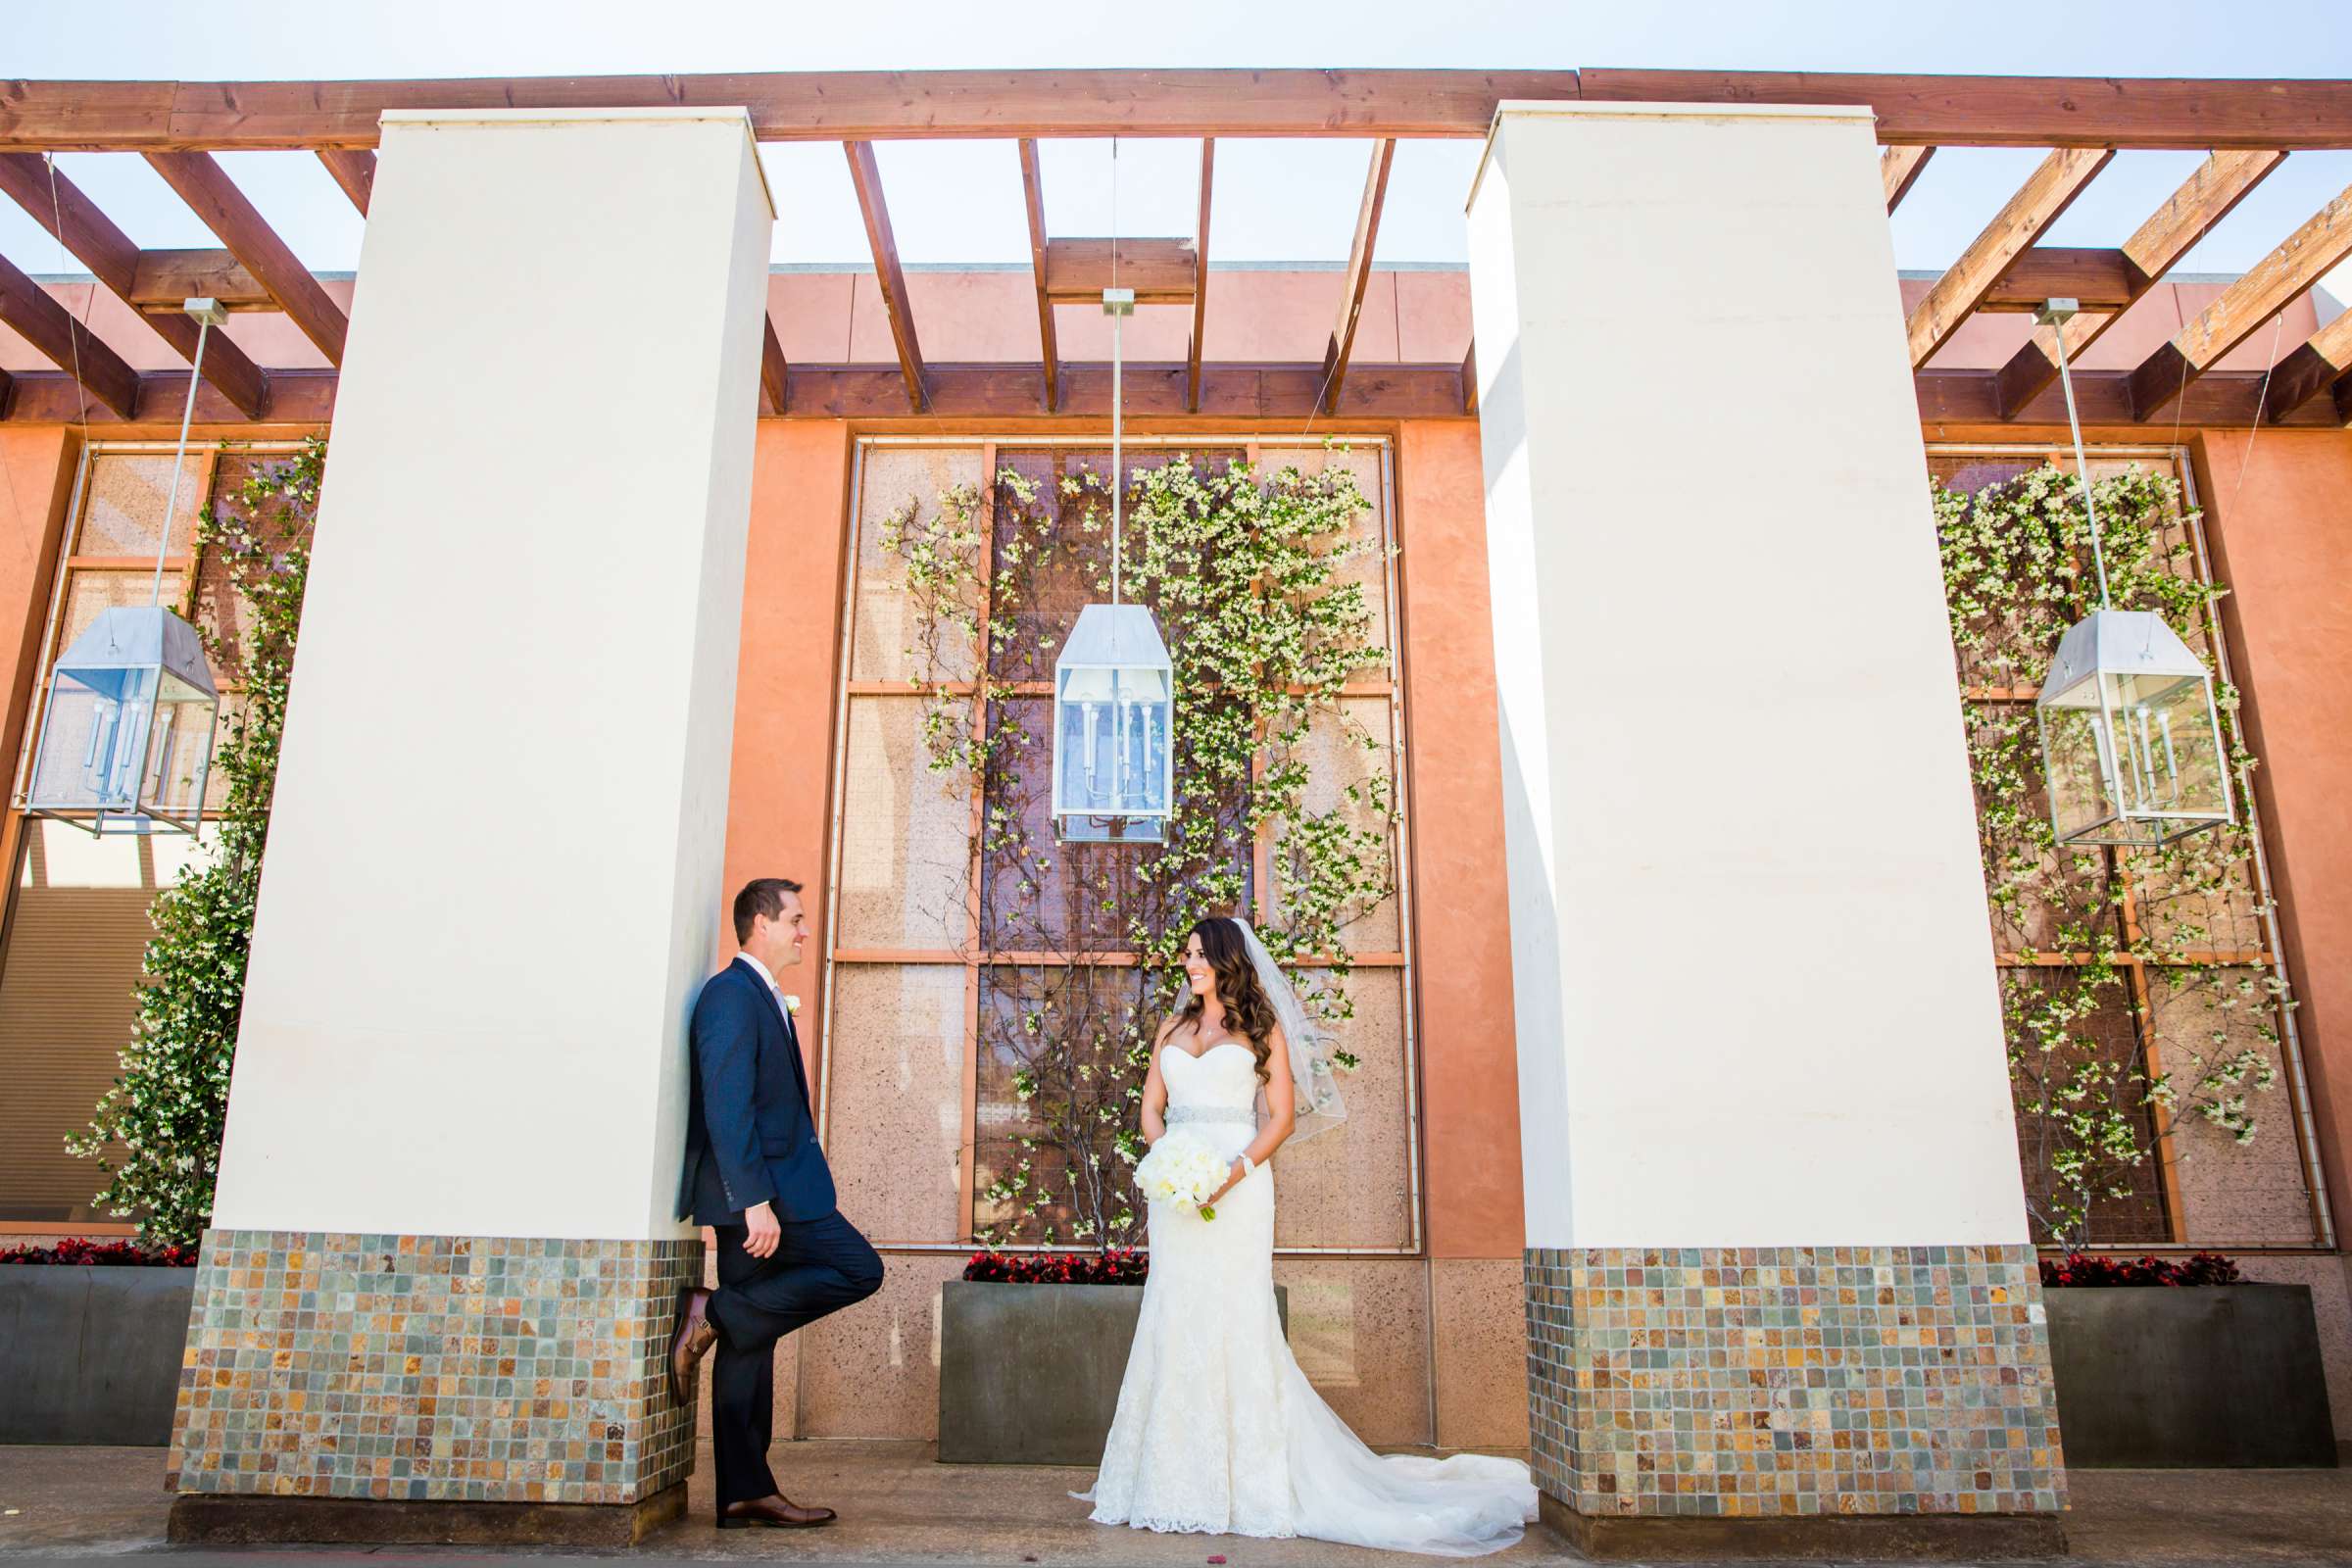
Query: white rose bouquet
{"points": [[1182, 1170]]}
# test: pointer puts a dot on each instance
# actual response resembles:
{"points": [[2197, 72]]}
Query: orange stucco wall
{"points": [[1469, 1047], [2279, 512], [784, 683], [36, 474], [36, 477]]}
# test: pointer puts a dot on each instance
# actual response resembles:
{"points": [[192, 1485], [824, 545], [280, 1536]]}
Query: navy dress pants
{"points": [[821, 1267]]}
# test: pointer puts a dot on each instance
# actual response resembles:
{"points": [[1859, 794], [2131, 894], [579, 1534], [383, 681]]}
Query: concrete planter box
{"points": [[2205, 1376], [1029, 1374], [90, 1354]]}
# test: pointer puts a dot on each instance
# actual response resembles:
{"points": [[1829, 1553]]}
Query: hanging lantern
{"points": [[2131, 738], [2132, 749], [1113, 701], [1115, 688], [127, 734]]}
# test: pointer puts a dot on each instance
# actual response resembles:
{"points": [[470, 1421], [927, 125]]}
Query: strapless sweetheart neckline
{"points": [[1202, 1055]]}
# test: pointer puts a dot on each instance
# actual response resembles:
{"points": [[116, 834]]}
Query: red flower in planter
{"points": [[2079, 1270], [76, 1251]]}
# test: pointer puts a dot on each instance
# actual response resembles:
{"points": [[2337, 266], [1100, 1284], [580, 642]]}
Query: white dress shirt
{"points": [[761, 969]]}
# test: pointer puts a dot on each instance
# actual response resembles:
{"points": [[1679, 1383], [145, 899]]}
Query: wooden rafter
{"points": [[2300, 260], [1033, 198], [76, 223], [1900, 169], [1191, 352], [873, 105], [64, 342], [867, 177], [2154, 249], [354, 169], [1358, 273], [2045, 194], [775, 372], [200, 181], [2324, 363]]}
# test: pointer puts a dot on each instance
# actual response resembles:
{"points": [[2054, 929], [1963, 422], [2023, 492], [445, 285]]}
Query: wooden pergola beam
{"points": [[1033, 199], [64, 342], [1900, 169], [2181, 114], [2300, 260], [2095, 277], [872, 105], [1159, 389], [297, 398], [1287, 392], [1161, 272], [2045, 194], [353, 168], [2322, 364], [165, 278], [1358, 273], [2154, 249], [199, 180], [773, 370], [77, 222], [2222, 400], [1191, 352], [867, 177]]}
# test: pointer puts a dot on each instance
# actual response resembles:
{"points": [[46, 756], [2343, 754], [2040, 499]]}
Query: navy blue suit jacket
{"points": [[751, 1134]]}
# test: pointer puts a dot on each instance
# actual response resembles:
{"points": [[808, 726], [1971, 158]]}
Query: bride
{"points": [[1217, 1430]]}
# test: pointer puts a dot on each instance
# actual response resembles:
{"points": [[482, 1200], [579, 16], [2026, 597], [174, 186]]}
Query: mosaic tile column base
{"points": [[513, 1373], [1807, 1400]]}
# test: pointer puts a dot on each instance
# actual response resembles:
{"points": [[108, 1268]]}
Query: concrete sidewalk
{"points": [[898, 1506]]}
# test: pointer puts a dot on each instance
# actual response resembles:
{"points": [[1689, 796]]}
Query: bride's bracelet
{"points": [[1248, 1165]]}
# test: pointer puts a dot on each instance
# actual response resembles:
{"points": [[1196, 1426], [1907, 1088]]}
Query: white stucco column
{"points": [[1760, 1038], [492, 882]]}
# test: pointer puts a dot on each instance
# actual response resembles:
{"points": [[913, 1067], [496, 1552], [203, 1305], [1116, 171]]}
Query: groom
{"points": [[756, 1176]]}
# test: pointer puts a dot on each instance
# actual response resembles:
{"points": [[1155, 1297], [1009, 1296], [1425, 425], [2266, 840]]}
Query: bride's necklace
{"points": [[1224, 1038]]}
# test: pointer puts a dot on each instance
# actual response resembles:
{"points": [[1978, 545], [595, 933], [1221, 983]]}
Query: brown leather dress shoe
{"points": [[775, 1512], [693, 1341]]}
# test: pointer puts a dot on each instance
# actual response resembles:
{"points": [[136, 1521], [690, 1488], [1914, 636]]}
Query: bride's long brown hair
{"points": [[1248, 1013]]}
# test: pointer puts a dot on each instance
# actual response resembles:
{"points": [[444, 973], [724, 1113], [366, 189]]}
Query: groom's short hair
{"points": [[763, 895]]}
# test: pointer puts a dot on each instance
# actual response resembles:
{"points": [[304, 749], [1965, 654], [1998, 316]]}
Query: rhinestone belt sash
{"points": [[1178, 1115]]}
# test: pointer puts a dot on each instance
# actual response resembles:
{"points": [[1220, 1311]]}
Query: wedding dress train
{"points": [[1217, 1430]]}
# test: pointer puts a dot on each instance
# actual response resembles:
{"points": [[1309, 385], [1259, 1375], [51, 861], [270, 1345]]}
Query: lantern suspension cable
{"points": [[2057, 312], [206, 312], [1111, 301]]}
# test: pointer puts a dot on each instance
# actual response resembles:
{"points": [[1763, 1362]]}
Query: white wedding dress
{"points": [[1217, 1430]]}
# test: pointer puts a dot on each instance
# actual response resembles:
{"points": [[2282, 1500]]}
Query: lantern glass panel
{"points": [[1112, 753], [2134, 758], [179, 750], [93, 739]]}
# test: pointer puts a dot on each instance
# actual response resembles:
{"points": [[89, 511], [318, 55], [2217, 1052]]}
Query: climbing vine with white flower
{"points": [[2158, 937], [1246, 569]]}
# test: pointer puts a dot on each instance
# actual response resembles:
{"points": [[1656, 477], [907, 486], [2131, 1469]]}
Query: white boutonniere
{"points": [[791, 1005]]}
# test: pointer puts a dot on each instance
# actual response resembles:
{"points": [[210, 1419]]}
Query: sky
{"points": [[1273, 200]]}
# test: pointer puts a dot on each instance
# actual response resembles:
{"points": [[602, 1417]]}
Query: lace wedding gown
{"points": [[1217, 1430]]}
